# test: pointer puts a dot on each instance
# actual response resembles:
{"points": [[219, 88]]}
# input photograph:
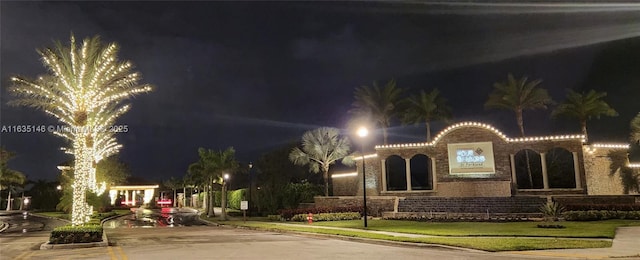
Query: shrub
{"points": [[287, 214], [76, 234], [274, 217], [552, 211], [235, 197], [550, 226], [591, 215], [617, 207], [327, 216]]}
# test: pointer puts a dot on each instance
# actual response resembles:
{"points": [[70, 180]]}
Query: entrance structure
{"points": [[132, 194], [472, 160]]}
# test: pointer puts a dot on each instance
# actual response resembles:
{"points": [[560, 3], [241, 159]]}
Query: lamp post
{"points": [[250, 187], [224, 196], [362, 133]]}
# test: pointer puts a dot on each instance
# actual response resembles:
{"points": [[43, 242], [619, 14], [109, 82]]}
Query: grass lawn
{"points": [[591, 229], [493, 244], [54, 214]]}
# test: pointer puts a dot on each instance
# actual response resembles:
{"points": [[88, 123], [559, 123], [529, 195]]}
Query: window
{"points": [[560, 168], [421, 177], [396, 173], [528, 170]]}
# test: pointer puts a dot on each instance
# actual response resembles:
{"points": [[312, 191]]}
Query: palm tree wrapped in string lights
{"points": [[84, 89]]}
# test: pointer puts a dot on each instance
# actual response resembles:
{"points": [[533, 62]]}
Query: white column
{"points": [[384, 175], [514, 178], [434, 175], [408, 173], [126, 197], [576, 168], [545, 178]]}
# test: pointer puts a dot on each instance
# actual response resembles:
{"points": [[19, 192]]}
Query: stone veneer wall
{"points": [[599, 177], [497, 185], [375, 204], [346, 186]]}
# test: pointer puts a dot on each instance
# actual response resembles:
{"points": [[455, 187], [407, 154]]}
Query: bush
{"points": [[617, 207], [550, 226], [592, 215], [76, 234], [552, 211], [287, 214], [274, 217], [327, 216], [235, 197]]}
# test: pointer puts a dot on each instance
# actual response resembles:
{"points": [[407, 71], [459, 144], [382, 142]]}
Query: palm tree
{"points": [[518, 95], [635, 129], [584, 106], [9, 179], [379, 105], [210, 168], [173, 184], [425, 108], [84, 89], [321, 148]]}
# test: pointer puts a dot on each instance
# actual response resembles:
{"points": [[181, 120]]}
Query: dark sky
{"points": [[256, 75]]}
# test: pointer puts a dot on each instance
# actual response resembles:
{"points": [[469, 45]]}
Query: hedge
{"points": [[76, 234], [591, 215], [616, 207], [287, 214], [327, 216]]}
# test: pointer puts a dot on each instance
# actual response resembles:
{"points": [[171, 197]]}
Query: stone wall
{"points": [[487, 188], [345, 186], [472, 205], [375, 204], [601, 179]]}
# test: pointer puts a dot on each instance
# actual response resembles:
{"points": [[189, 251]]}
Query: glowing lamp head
{"points": [[363, 131], [226, 176]]}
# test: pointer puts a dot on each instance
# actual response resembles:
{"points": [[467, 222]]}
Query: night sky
{"points": [[256, 75]]}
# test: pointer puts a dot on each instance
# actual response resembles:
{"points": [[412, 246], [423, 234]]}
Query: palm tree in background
{"points": [[635, 129], [518, 95], [425, 108], [321, 148], [173, 184], [9, 179], [377, 104], [584, 106], [209, 169], [84, 89]]}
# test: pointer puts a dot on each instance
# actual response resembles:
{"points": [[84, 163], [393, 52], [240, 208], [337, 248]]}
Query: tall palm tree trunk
{"points": [[384, 134], [526, 152], [325, 176], [223, 201], [9, 200], [211, 212], [583, 125], [428, 125]]}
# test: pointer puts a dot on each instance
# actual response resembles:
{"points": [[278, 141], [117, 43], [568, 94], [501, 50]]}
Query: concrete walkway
{"points": [[626, 244]]}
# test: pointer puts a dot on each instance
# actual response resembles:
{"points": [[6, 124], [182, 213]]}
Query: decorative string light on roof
{"points": [[614, 146], [634, 165], [366, 156], [487, 127]]}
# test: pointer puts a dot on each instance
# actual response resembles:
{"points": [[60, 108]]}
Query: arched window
{"points": [[528, 170], [421, 178], [396, 173], [560, 170]]}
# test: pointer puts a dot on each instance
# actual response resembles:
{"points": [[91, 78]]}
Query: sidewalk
{"points": [[626, 244]]}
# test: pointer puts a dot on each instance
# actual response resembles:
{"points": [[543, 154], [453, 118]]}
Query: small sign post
{"points": [[244, 205]]}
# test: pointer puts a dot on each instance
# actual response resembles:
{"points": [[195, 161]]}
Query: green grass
{"points": [[55, 214], [493, 244], [592, 229]]}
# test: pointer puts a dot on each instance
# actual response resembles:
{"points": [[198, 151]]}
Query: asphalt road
{"points": [[210, 242], [25, 235]]}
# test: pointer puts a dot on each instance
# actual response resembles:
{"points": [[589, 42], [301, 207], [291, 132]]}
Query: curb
{"points": [[103, 243], [359, 239]]}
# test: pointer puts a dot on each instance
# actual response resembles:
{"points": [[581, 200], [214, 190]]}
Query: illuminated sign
{"points": [[471, 158]]}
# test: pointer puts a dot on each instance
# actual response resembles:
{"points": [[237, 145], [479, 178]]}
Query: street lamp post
{"points": [[362, 133], [250, 187], [224, 196]]}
